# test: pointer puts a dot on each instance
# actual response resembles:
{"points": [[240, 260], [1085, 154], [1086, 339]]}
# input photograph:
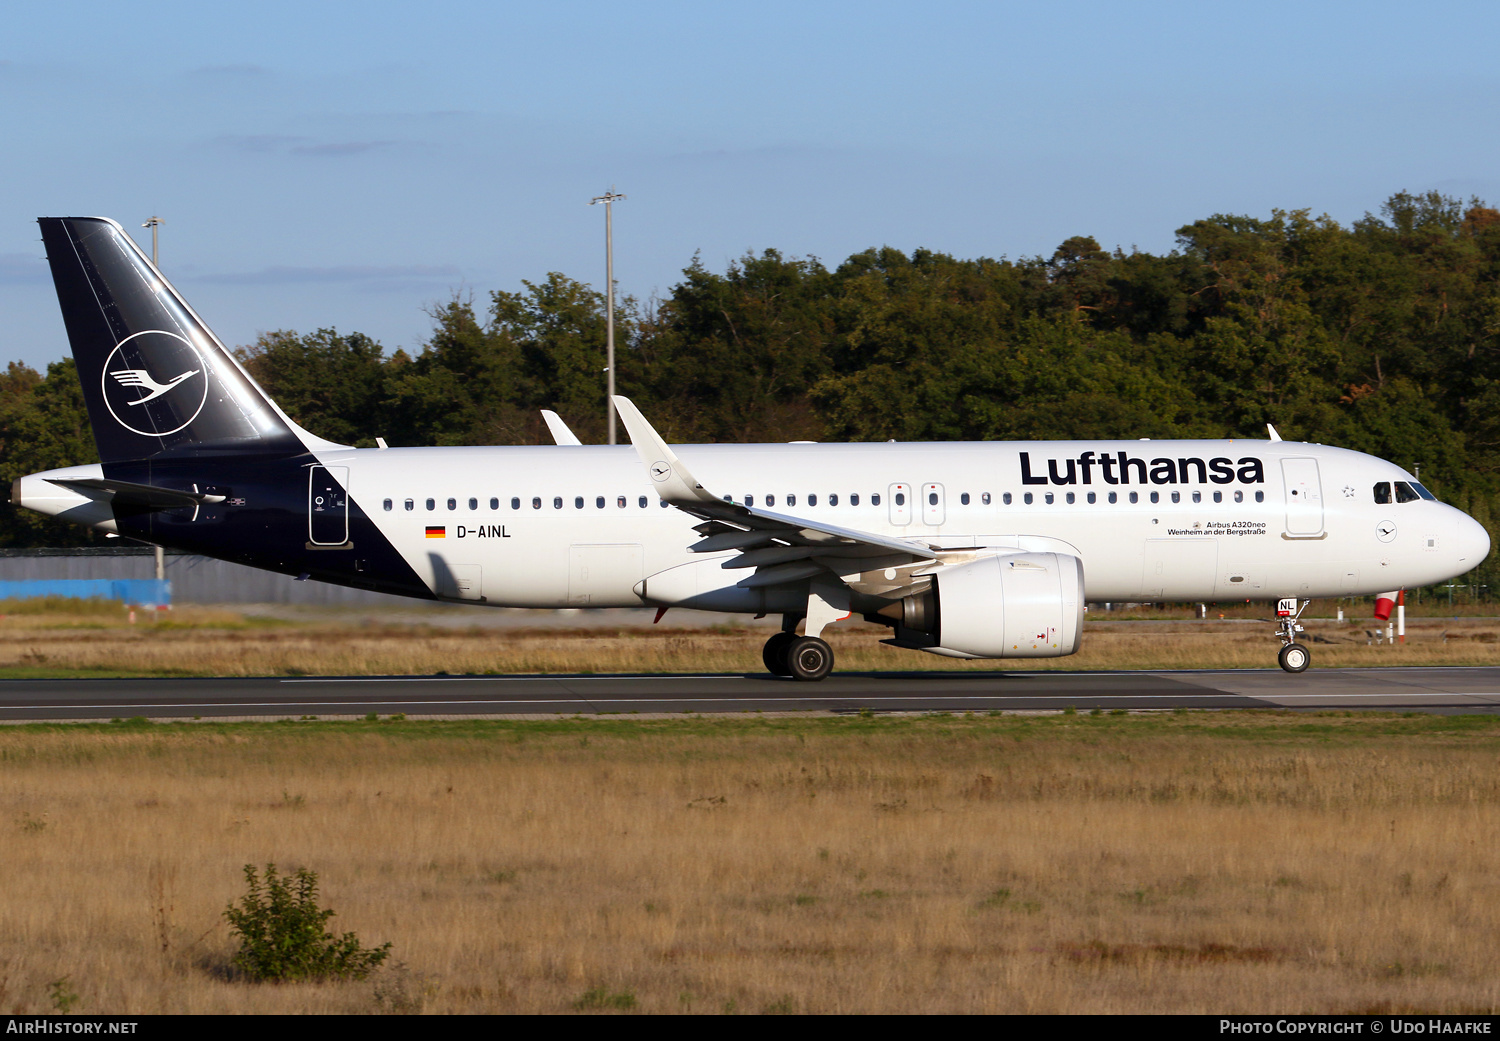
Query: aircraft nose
{"points": [[1471, 541]]}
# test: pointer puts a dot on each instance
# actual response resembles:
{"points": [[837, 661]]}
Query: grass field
{"points": [[1192, 862], [98, 640]]}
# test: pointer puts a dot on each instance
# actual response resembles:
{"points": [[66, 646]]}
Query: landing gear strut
{"points": [[1294, 657], [800, 657]]}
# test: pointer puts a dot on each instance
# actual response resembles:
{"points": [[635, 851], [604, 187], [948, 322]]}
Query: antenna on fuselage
{"points": [[1272, 431]]}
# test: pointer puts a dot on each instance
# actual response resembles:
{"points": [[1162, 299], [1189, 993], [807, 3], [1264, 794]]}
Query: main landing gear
{"points": [[1294, 657], [800, 657]]}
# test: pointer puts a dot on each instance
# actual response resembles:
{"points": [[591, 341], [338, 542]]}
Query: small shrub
{"points": [[63, 996], [601, 998], [282, 934]]}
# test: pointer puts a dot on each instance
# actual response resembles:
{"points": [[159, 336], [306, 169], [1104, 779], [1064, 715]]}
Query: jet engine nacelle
{"points": [[1016, 605]]}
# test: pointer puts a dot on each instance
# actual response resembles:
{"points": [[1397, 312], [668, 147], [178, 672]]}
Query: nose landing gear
{"points": [[1294, 657]]}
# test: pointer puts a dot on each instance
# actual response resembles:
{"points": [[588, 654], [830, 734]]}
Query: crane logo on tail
{"points": [[141, 378], [155, 383]]}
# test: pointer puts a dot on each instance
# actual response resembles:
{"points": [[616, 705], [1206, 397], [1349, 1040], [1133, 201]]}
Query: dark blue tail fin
{"points": [[154, 377]]}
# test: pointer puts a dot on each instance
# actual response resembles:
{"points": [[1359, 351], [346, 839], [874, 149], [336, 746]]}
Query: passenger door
{"points": [[1304, 498], [327, 505]]}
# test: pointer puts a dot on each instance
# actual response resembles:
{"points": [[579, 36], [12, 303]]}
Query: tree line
{"points": [[1382, 336]]}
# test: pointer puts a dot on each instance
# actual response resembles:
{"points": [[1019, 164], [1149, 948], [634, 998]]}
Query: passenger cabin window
{"points": [[515, 502], [1049, 497], [791, 500], [536, 502], [1197, 496], [749, 500], [1239, 496], [1005, 498], [833, 498], [642, 502], [578, 502], [1135, 497], [410, 505], [431, 504], [494, 504], [452, 504], [599, 503], [1026, 498], [985, 498], [900, 498], [875, 499], [1260, 496], [964, 498], [1382, 493], [1405, 492], [557, 502], [473, 504], [812, 500], [1218, 496], [770, 500], [388, 504], [1114, 497], [1176, 496], [620, 502], [1092, 498], [1156, 496], [854, 498], [1069, 497]]}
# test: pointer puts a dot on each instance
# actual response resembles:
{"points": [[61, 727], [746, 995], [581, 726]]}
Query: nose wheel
{"points": [[805, 658], [1294, 657]]}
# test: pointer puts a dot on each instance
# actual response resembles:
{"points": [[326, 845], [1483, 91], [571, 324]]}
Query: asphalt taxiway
{"points": [[1390, 689]]}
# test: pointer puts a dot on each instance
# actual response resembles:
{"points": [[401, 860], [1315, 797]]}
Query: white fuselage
{"points": [[581, 526]]}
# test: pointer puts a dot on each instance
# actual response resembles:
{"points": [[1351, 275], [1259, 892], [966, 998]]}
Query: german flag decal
{"points": [[436, 531]]}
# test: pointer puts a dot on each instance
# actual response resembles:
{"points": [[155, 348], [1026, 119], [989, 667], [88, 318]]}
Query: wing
{"points": [[781, 548]]}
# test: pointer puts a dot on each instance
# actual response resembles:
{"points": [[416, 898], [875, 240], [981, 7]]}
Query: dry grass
{"points": [[221, 643], [1193, 862]]}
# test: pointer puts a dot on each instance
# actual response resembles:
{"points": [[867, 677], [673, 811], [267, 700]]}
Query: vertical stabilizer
{"points": [[154, 377]]}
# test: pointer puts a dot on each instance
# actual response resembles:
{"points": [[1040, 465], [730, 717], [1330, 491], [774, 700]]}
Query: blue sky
{"points": [[350, 165]]}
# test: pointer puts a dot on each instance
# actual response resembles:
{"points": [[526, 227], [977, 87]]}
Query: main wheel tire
{"points": [[809, 658], [1294, 658], [774, 654]]}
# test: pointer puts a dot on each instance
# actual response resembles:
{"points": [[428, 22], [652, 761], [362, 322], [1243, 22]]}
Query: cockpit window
{"points": [[1382, 493], [1423, 492], [1404, 492]]}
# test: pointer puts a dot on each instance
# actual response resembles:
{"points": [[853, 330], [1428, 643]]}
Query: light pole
{"points": [[153, 224], [609, 198]]}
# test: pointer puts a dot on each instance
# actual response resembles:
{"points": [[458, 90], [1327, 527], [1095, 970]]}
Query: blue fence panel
{"points": [[140, 591]]}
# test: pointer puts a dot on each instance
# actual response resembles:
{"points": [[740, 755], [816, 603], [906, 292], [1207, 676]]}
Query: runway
{"points": [[1448, 690]]}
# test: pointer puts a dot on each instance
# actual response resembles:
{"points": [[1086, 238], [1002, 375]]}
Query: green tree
{"points": [[332, 385], [43, 426]]}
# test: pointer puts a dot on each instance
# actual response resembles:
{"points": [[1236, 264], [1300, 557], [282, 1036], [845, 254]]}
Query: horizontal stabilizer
{"points": [[145, 496]]}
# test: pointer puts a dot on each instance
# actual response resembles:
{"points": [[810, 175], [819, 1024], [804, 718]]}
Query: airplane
{"points": [[968, 550]]}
